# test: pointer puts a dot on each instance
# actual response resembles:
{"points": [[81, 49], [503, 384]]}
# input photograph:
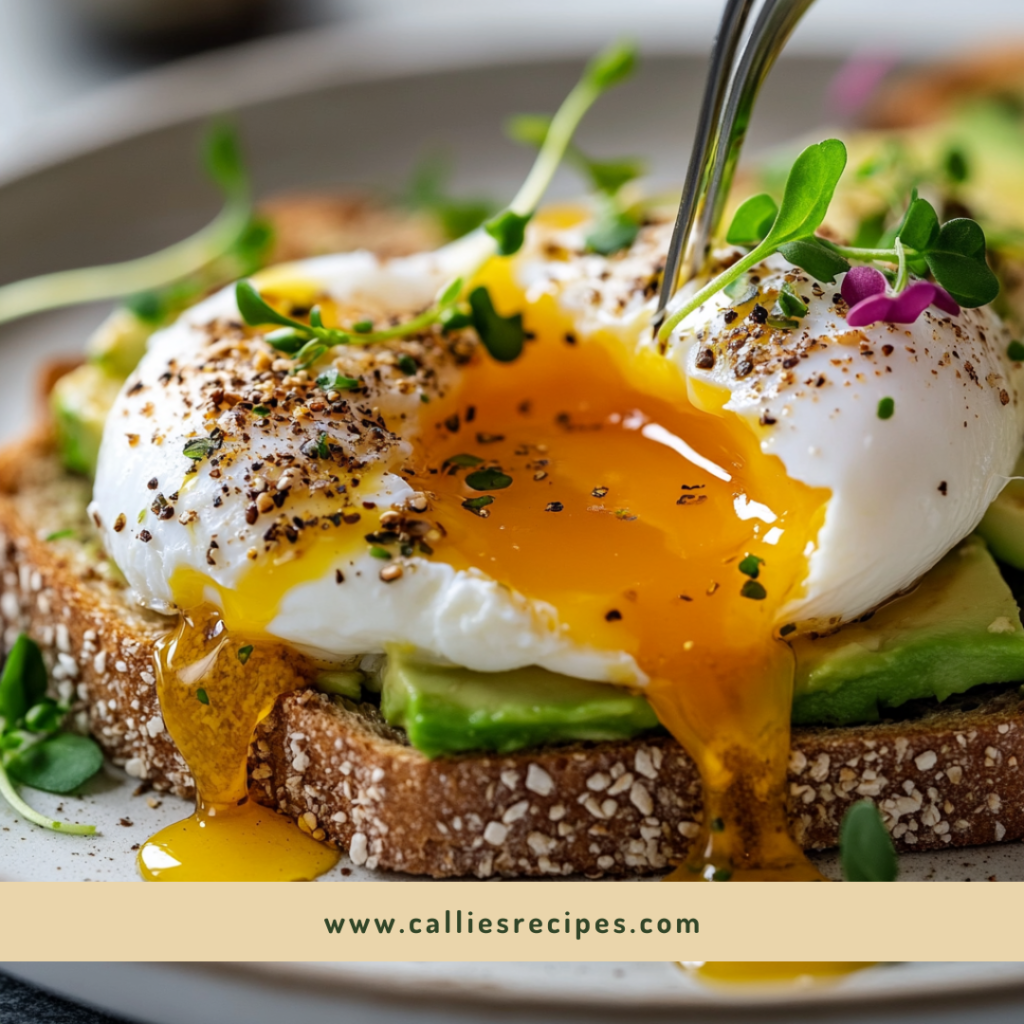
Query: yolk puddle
{"points": [[781, 971], [214, 688]]}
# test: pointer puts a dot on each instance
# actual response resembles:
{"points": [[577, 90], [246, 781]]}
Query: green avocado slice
{"points": [[1003, 525], [959, 628], [80, 402], [447, 710]]}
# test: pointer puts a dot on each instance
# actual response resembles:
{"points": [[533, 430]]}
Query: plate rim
{"points": [[304, 976]]}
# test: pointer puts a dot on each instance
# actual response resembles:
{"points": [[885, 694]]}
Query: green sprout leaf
{"points": [[58, 764], [790, 303], [818, 260], [919, 228], [200, 447], [753, 590], [286, 340], [332, 380], [886, 407], [244, 653], [752, 221], [256, 312], [488, 480], [956, 166], [508, 229], [957, 259], [611, 66], [503, 337], [45, 716], [751, 566], [1015, 350], [612, 231], [23, 681], [478, 504], [202, 696], [865, 847]]}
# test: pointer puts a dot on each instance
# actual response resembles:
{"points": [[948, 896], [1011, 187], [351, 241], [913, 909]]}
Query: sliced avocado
{"points": [[960, 627], [80, 401], [446, 710], [1003, 525], [119, 343]]}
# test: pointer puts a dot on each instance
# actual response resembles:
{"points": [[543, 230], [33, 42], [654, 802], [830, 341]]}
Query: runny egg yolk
{"points": [[582, 476]]}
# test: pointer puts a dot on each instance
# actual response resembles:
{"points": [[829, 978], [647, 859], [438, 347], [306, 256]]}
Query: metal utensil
{"points": [[725, 114]]}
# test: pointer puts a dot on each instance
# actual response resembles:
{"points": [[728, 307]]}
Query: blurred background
{"points": [[55, 54]]}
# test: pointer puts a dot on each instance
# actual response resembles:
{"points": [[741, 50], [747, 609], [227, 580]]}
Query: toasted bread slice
{"points": [[945, 775]]}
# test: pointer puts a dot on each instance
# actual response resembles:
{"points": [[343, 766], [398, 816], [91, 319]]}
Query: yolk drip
{"points": [[214, 688], [781, 971], [635, 515]]}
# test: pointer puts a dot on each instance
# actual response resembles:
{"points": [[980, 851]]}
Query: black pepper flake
{"points": [[758, 314], [599, 492], [554, 506], [943, 488], [705, 359], [369, 504], [453, 423], [153, 484], [145, 536], [351, 518], [570, 338], [743, 369], [483, 438], [251, 514], [119, 523], [613, 616], [339, 576], [789, 362], [470, 413], [729, 315], [218, 501]]}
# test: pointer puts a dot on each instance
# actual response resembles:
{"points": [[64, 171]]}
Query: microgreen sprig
{"points": [[809, 189], [502, 336], [223, 161], [953, 253], [33, 750]]}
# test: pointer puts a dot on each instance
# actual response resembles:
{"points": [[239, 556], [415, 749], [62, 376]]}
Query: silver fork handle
{"points": [[722, 130]]}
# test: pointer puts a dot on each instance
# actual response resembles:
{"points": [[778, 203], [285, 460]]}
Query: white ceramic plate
{"points": [[355, 110]]}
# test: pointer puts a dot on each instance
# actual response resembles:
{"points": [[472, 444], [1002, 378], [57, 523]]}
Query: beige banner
{"points": [[511, 921]]}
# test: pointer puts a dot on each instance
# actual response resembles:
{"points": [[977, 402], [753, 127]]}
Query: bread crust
{"points": [[949, 776]]}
